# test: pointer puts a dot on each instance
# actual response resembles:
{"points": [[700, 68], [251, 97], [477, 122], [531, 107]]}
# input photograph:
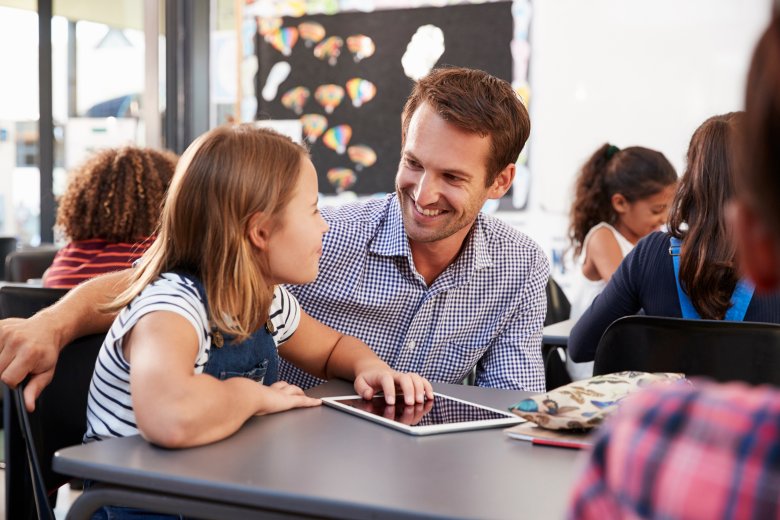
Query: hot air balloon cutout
{"points": [[361, 46], [295, 99], [360, 91], [313, 126], [337, 138], [266, 26], [284, 39], [363, 156], [341, 178], [329, 49], [329, 96], [311, 33]]}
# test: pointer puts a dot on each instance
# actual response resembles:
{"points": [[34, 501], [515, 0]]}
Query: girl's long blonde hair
{"points": [[223, 178]]}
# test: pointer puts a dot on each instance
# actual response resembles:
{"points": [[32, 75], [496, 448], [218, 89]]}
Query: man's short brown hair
{"points": [[476, 102]]}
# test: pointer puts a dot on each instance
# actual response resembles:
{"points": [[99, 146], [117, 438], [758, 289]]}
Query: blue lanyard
{"points": [[740, 299]]}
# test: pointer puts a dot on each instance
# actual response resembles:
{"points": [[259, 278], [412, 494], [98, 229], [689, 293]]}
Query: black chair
{"points": [[721, 350], [25, 264], [558, 306], [558, 309], [59, 419], [7, 246]]}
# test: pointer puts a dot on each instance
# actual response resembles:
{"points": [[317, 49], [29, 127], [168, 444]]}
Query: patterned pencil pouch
{"points": [[584, 404]]}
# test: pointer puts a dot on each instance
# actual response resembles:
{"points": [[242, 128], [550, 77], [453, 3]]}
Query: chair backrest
{"points": [[558, 309], [7, 246], [59, 419], [558, 306], [721, 350], [25, 264]]}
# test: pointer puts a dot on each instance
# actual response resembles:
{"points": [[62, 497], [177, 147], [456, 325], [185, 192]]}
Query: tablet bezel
{"points": [[509, 419]]}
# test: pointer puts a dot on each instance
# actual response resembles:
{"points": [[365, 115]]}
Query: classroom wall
{"points": [[631, 73]]}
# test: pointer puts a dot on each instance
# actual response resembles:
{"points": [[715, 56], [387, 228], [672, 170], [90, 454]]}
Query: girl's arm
{"points": [[602, 256], [326, 353], [621, 297], [176, 408]]}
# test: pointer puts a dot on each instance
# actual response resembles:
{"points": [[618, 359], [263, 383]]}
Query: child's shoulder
{"points": [[601, 236], [171, 285], [284, 314]]}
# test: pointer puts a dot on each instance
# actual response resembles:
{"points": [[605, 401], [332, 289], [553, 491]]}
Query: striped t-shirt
{"points": [[82, 260], [109, 407]]}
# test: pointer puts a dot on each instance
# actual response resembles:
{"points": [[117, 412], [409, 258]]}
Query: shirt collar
{"points": [[391, 240]]}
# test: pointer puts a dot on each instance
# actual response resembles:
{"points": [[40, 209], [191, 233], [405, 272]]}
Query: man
{"points": [[433, 285], [712, 451], [422, 276]]}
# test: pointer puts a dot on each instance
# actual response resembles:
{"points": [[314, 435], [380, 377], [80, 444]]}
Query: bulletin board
{"points": [[476, 36]]}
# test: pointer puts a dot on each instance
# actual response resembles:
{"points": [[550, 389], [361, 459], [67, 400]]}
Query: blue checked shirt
{"points": [[486, 309]]}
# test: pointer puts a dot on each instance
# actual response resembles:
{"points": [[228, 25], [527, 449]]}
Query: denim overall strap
{"points": [[740, 299], [255, 358]]}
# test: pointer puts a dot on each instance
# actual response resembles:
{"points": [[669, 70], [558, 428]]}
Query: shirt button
{"points": [[411, 345]]}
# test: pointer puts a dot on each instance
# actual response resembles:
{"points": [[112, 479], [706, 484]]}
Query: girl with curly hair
{"points": [[108, 212], [620, 196]]}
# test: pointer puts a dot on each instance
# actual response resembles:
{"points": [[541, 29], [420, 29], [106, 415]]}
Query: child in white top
{"points": [[204, 315], [620, 196]]}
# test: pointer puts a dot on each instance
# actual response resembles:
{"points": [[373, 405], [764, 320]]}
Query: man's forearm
{"points": [[78, 312]]}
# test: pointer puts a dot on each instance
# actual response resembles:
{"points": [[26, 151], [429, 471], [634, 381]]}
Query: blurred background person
{"points": [[108, 212]]}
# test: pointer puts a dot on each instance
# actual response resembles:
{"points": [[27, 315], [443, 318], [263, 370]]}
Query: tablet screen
{"points": [[434, 415], [440, 410]]}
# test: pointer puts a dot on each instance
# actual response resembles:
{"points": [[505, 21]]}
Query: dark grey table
{"points": [[320, 462], [558, 333]]}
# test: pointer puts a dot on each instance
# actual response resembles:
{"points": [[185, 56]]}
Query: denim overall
{"points": [[255, 358], [740, 298]]}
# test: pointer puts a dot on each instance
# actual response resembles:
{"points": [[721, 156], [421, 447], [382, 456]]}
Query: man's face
{"points": [[441, 179]]}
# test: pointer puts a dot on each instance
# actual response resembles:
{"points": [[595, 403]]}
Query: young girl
{"points": [[204, 315], [620, 196], [690, 271]]}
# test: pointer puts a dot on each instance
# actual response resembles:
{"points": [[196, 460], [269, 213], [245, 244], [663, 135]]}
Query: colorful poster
{"points": [[350, 74]]}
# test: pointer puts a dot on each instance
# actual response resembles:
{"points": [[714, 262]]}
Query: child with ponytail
{"points": [[620, 197]]}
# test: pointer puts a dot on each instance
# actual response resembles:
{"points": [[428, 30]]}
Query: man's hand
{"points": [[414, 387], [28, 348]]}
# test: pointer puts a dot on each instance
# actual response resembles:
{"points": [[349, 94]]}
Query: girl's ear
{"points": [[258, 231], [619, 203]]}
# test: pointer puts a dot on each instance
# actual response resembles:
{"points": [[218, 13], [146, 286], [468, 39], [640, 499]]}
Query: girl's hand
{"points": [[284, 396], [414, 387]]}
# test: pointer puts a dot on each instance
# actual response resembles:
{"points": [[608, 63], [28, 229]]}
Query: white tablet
{"points": [[438, 415]]}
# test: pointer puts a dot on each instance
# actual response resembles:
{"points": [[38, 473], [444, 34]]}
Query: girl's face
{"points": [[294, 247], [642, 217]]}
